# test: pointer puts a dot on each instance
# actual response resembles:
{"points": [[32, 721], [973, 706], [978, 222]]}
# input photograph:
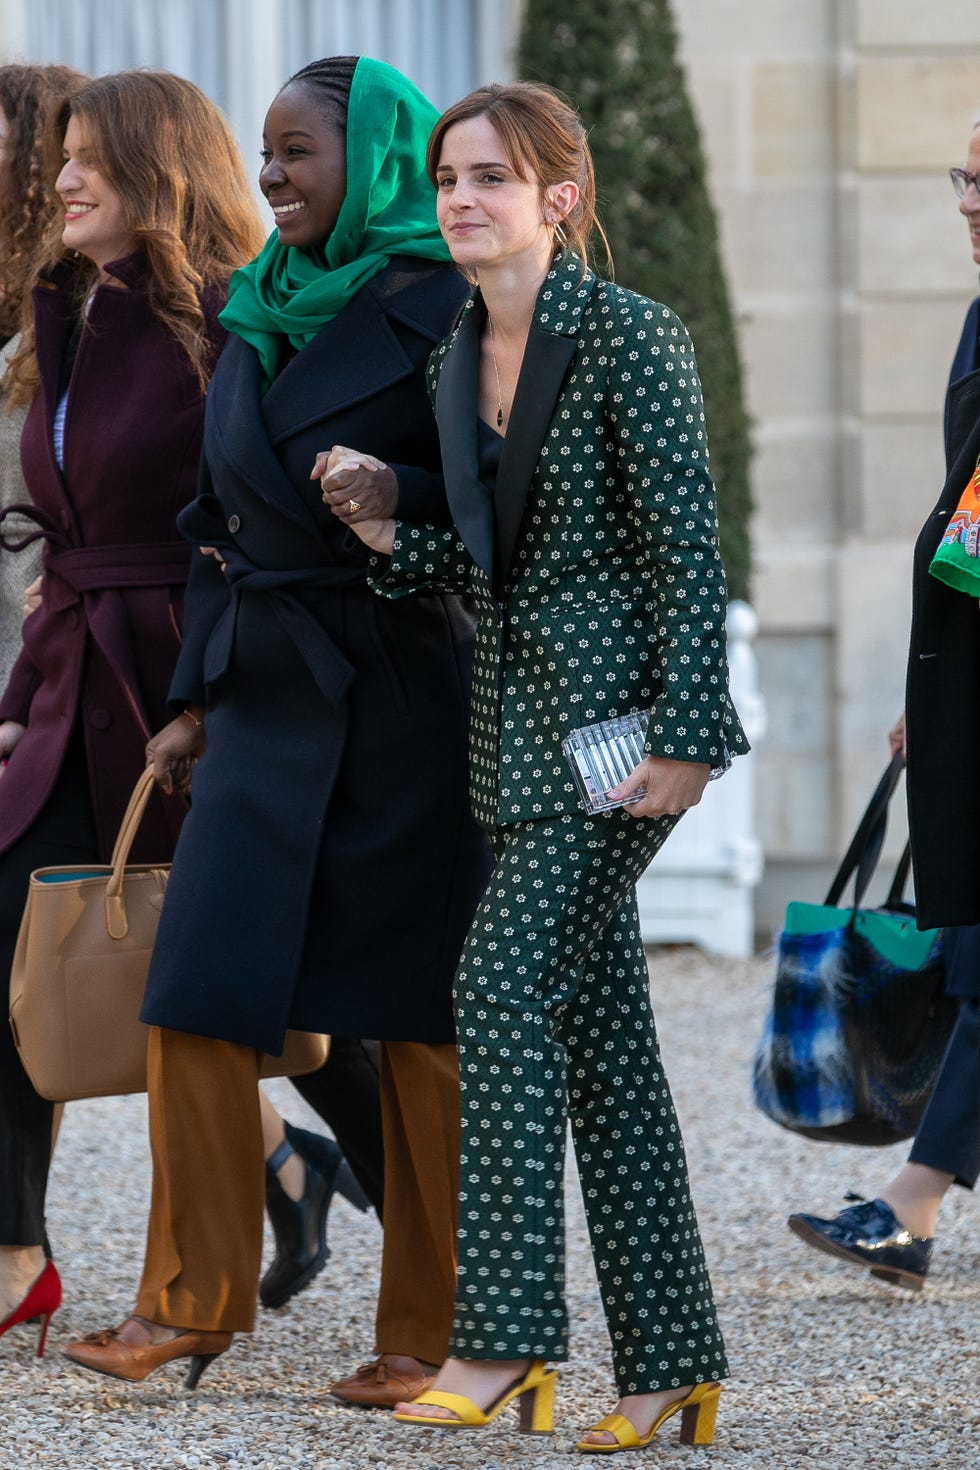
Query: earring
{"points": [[560, 233]]}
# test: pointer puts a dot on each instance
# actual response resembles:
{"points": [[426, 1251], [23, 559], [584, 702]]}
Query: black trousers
{"points": [[63, 833], [346, 1092], [948, 1136]]}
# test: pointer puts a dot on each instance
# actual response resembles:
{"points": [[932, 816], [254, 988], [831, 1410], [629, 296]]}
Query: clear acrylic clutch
{"points": [[604, 754]]}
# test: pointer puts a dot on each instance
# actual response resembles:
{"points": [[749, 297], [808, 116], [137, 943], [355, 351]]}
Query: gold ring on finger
{"points": [[353, 506]]}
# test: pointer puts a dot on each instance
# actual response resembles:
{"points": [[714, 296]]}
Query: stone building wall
{"points": [[829, 126]]}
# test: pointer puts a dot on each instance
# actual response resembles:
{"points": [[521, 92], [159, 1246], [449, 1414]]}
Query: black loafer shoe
{"points": [[300, 1226], [869, 1234]]}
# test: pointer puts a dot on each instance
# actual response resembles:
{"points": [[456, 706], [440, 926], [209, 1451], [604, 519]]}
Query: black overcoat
{"points": [[330, 866], [943, 689]]}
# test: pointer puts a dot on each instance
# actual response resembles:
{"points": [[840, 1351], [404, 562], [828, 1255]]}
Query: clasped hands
{"points": [[349, 478], [361, 491]]}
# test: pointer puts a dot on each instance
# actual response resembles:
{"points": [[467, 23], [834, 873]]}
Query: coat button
{"points": [[233, 523], [100, 719], [71, 618]]}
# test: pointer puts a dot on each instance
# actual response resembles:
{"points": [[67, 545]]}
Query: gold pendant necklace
{"points": [[496, 373]]}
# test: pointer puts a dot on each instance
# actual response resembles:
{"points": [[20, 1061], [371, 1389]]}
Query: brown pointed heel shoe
{"points": [[129, 1352]]}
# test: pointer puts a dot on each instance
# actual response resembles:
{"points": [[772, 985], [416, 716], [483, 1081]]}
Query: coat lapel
{"points": [[53, 316], [960, 414], [551, 345], [546, 360], [235, 432], [320, 383], [489, 525], [327, 377], [470, 501]]}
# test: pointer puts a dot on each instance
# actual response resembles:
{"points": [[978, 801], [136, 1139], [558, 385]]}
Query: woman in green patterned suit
{"points": [[576, 466]]}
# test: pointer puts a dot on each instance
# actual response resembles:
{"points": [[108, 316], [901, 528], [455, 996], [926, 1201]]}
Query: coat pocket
{"points": [[610, 651]]}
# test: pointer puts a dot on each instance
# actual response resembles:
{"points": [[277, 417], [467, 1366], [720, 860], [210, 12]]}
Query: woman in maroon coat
{"points": [[156, 214]]}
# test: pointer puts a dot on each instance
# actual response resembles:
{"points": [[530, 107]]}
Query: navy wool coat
{"points": [[330, 866], [101, 650], [942, 700]]}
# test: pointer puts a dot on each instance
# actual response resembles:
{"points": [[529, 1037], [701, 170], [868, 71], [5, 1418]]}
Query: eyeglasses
{"points": [[962, 181]]}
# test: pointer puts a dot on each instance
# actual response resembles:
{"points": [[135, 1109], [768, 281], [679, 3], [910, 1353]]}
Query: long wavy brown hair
{"points": [[168, 152], [27, 97]]}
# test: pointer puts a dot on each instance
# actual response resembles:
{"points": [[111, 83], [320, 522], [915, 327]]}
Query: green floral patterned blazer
{"points": [[594, 563]]}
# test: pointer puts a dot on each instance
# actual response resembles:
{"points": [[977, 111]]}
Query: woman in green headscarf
{"points": [[329, 866]]}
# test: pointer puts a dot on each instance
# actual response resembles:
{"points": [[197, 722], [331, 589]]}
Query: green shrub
{"points": [[617, 61]]}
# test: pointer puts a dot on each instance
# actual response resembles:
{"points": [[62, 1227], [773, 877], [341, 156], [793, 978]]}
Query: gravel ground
{"points": [[827, 1364]]}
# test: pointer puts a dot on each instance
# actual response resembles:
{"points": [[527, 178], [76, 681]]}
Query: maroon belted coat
{"points": [[101, 650]]}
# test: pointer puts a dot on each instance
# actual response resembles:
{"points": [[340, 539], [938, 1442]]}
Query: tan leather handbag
{"points": [[79, 972]]}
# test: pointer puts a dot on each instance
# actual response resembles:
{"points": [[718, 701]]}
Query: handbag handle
{"points": [[896, 893], [866, 844], [116, 923]]}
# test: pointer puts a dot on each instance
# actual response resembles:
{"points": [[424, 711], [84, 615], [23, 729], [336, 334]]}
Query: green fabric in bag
{"points": [[894, 936]]}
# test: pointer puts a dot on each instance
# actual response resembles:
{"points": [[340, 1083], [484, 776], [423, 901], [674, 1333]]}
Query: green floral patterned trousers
{"points": [[554, 1017]]}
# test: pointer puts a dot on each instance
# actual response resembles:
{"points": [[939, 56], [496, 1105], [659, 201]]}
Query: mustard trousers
{"points": [[204, 1238]]}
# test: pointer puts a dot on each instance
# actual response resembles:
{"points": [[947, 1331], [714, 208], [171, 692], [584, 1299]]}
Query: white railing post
{"points": [[699, 890]]}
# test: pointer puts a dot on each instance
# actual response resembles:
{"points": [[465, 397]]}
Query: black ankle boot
{"points": [[300, 1226]]}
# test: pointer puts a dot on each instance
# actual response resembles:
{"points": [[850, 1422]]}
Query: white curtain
{"points": [[99, 36], [241, 51], [432, 41]]}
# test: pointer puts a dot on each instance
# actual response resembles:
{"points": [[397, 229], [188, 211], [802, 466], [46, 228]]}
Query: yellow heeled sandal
{"points": [[699, 1413], [535, 1393]]}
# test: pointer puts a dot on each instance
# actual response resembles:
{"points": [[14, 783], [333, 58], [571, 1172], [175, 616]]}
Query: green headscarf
{"points": [[389, 209]]}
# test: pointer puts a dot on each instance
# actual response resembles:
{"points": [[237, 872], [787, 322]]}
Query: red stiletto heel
{"points": [[43, 1300]]}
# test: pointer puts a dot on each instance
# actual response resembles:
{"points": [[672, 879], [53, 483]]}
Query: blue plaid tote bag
{"points": [[860, 1018]]}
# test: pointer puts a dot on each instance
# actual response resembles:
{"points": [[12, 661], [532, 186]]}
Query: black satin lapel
{"points": [[352, 357], [469, 499], [235, 431], [546, 361]]}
